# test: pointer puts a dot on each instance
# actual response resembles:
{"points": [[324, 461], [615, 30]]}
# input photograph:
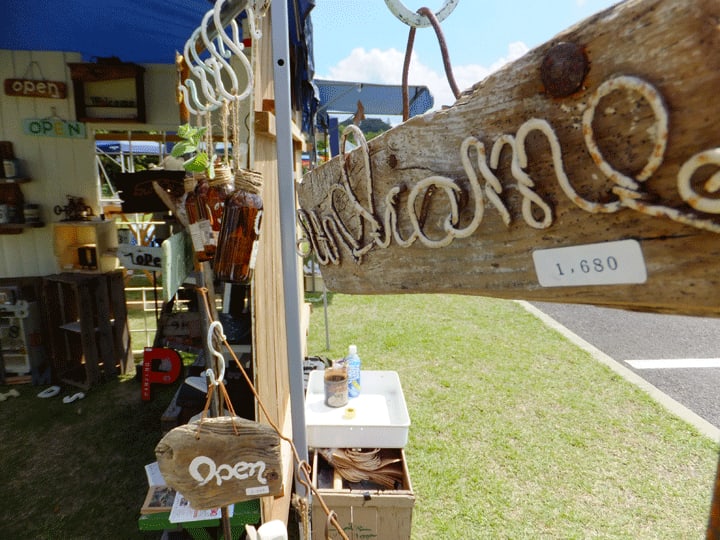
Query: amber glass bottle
{"points": [[238, 240], [13, 197], [197, 218], [211, 196]]}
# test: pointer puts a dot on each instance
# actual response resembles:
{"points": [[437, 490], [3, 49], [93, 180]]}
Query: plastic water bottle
{"points": [[353, 371]]}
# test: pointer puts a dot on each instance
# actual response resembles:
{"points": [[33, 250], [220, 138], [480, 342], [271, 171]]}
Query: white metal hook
{"points": [[200, 69], [217, 61], [236, 46], [220, 359]]}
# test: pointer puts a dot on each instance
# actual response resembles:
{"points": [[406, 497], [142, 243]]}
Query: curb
{"points": [[675, 407]]}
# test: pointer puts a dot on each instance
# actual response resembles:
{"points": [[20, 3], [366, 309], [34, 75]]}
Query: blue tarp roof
{"points": [[378, 99], [140, 31], [137, 147]]}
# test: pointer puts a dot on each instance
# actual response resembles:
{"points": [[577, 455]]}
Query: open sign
{"points": [[36, 89], [53, 127], [140, 257]]}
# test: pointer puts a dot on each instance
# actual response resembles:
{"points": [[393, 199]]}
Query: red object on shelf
{"points": [[167, 368]]}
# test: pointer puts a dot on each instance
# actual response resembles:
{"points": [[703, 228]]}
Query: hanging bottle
{"points": [[238, 240], [211, 195], [196, 217]]}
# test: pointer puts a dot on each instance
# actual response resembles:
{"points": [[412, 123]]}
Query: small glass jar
{"points": [[238, 241], [12, 196]]}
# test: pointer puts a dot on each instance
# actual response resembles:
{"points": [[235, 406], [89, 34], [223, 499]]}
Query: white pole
{"points": [[286, 188]]}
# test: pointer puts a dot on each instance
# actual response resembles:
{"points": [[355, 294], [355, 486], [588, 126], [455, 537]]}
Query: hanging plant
{"points": [[190, 140]]}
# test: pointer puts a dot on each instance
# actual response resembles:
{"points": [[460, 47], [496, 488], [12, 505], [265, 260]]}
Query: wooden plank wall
{"points": [[61, 166], [56, 165], [271, 358]]}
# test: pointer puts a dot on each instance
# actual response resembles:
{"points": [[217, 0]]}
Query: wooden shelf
{"points": [[266, 124], [18, 180], [17, 228]]}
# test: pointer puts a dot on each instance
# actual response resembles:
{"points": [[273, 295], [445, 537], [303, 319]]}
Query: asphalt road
{"points": [[627, 336]]}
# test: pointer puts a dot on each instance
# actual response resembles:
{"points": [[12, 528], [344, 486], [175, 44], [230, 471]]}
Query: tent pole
{"points": [[286, 189]]}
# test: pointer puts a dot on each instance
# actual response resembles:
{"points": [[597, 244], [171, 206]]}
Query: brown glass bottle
{"points": [[211, 196], [13, 197], [238, 240], [197, 220]]}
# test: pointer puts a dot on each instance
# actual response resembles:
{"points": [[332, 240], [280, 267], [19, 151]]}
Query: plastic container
{"points": [[352, 361], [381, 418], [336, 386]]}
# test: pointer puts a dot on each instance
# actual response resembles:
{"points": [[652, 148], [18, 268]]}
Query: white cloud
{"points": [[385, 67]]}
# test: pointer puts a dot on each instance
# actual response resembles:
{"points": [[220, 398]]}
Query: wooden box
{"points": [[362, 512], [86, 246], [88, 327]]}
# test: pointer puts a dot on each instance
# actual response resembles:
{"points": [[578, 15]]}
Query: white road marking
{"points": [[675, 363]]}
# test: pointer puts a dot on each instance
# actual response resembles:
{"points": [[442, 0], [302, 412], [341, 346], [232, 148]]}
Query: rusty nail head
{"points": [[564, 69]]}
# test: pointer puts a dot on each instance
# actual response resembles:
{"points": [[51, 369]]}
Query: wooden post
{"points": [[713, 528]]}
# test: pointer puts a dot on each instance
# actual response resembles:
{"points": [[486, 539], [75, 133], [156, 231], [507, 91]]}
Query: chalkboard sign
{"points": [[138, 195]]}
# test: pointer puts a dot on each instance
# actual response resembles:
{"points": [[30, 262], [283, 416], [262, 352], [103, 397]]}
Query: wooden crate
{"points": [[87, 323], [96, 238], [363, 513]]}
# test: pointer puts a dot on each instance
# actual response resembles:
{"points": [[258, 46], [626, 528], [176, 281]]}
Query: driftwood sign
{"points": [[588, 171], [221, 461], [35, 89]]}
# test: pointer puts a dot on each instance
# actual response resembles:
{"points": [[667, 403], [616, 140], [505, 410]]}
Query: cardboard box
{"points": [[362, 511]]}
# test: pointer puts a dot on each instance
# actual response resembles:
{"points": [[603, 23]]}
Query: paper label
{"points": [[197, 237], [209, 236], [606, 263], [256, 491], [253, 254]]}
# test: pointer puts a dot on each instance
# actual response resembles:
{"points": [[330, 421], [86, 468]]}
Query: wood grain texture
{"points": [[669, 47], [231, 448]]}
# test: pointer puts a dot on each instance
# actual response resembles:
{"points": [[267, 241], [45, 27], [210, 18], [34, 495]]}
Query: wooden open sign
{"points": [[220, 461]]}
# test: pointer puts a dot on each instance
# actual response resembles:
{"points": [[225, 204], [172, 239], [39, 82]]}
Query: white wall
{"points": [[61, 166]]}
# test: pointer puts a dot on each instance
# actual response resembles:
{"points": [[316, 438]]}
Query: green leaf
{"points": [[183, 147]]}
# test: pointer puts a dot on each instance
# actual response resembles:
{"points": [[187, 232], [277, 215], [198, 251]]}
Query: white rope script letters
{"points": [[325, 232], [240, 471]]}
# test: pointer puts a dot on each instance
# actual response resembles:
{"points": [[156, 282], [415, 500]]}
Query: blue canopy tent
{"points": [[151, 31], [339, 97], [142, 32], [380, 99]]}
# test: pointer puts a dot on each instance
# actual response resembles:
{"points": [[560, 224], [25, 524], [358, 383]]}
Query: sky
{"points": [[362, 41]]}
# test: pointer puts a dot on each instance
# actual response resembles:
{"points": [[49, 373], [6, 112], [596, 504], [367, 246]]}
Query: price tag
{"points": [[607, 263]]}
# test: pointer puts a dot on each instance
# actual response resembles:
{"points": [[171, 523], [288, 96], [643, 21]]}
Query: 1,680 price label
{"points": [[607, 263]]}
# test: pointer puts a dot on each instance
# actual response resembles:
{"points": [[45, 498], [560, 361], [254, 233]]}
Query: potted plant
{"points": [[190, 139]]}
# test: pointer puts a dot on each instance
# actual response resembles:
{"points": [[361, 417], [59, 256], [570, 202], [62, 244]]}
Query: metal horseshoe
{"points": [[414, 19]]}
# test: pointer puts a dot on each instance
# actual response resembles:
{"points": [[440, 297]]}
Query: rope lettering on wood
{"points": [[327, 231], [242, 470]]}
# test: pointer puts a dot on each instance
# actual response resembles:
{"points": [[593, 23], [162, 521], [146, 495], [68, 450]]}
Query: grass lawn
{"points": [[516, 433]]}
